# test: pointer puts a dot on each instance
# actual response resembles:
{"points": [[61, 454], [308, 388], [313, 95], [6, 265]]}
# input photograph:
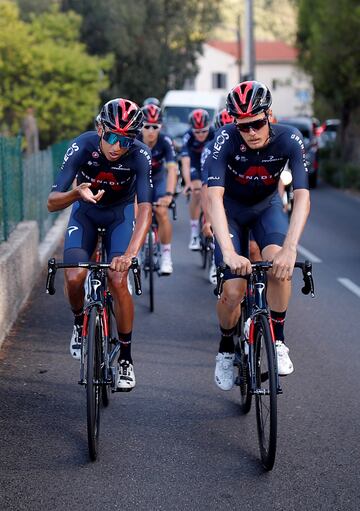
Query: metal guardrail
{"points": [[25, 183]]}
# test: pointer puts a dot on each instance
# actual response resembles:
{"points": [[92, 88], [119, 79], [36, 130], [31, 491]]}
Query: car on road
{"points": [[327, 132], [306, 127]]}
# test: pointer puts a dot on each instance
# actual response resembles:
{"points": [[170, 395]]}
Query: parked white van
{"points": [[177, 105]]}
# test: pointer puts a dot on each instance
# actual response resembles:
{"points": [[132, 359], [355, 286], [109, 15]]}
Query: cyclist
{"points": [[164, 175], [221, 118], [193, 143], [243, 172], [110, 167]]}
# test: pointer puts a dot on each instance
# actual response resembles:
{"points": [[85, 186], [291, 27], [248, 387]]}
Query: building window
{"points": [[219, 81]]}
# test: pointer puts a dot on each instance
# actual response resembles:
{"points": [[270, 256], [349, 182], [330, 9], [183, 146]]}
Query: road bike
{"points": [[151, 251], [100, 345], [255, 354]]}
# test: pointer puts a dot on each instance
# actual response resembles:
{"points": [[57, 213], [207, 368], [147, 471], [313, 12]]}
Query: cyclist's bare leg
{"points": [[228, 307], [165, 227], [123, 303], [278, 292], [194, 205], [74, 287]]}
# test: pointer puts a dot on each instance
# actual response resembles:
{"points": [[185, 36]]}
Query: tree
{"points": [[328, 38], [43, 66], [155, 42]]}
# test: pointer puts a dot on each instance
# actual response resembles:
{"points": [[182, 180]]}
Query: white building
{"points": [[276, 66]]}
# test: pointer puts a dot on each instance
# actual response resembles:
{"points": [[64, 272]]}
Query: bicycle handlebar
{"points": [[171, 206], [53, 266], [306, 268]]}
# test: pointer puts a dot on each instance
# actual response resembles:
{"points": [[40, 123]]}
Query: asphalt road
{"points": [[177, 442]]}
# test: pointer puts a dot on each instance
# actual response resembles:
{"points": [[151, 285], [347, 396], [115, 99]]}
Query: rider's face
{"points": [[256, 136], [201, 135], [112, 152]]}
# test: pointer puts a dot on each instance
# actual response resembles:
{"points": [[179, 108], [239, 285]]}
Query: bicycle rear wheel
{"points": [[266, 392], [93, 387]]}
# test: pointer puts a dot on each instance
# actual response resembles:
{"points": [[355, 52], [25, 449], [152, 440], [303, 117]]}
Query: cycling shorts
{"points": [[267, 221], [81, 235], [159, 188], [195, 174]]}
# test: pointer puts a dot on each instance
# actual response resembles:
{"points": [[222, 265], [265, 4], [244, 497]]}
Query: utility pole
{"points": [[249, 51], [238, 38]]}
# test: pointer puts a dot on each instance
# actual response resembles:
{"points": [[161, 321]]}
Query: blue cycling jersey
{"points": [[249, 175], [193, 148], [122, 179], [162, 152]]}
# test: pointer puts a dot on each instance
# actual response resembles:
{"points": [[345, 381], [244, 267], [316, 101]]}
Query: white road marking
{"points": [[308, 255], [350, 286]]}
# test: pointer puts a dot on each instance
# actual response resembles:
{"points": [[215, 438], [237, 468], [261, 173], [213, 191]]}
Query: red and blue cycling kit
{"points": [[250, 180], [163, 152], [122, 179], [193, 148]]}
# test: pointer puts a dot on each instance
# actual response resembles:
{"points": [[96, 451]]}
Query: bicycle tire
{"points": [[243, 365], [93, 389], [151, 270], [266, 391]]}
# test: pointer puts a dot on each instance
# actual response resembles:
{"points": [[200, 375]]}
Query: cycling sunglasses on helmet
{"points": [[153, 126], [113, 138], [245, 127]]}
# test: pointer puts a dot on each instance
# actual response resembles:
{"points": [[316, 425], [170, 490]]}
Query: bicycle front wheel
{"points": [[151, 269], [93, 387], [265, 392]]}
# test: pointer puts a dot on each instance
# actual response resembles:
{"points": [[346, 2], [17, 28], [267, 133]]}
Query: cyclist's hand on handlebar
{"points": [[121, 263], [283, 264], [238, 264], [187, 190], [165, 201], [87, 195], [206, 230]]}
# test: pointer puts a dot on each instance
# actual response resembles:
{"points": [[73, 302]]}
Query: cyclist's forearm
{"points": [[218, 220], [143, 221], [204, 202], [171, 177], [61, 200], [298, 218]]}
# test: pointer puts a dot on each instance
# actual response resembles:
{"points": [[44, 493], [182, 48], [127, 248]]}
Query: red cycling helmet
{"points": [[222, 118], [248, 99], [152, 114], [122, 116], [199, 119]]}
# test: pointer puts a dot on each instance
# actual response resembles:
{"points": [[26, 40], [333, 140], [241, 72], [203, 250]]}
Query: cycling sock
{"points": [[125, 348], [166, 248], [194, 228], [278, 320], [78, 316], [227, 340]]}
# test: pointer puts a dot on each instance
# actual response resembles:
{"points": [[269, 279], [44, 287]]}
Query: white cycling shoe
{"points": [[126, 380], [166, 266], [75, 342], [224, 371], [285, 366], [195, 243]]}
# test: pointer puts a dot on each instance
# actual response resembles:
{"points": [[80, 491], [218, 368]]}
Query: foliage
{"points": [[155, 42], [329, 34], [42, 65]]}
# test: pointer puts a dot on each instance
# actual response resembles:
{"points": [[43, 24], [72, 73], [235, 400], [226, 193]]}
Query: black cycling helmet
{"points": [[223, 117], [248, 99], [152, 114], [122, 116], [151, 101], [199, 119]]}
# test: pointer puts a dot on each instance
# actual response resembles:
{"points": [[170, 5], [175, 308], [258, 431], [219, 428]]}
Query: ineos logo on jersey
{"points": [[72, 228], [72, 149], [219, 142]]}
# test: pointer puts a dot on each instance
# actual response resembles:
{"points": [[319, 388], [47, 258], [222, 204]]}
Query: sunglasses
{"points": [[113, 138], [254, 125], [204, 130], [153, 126]]}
